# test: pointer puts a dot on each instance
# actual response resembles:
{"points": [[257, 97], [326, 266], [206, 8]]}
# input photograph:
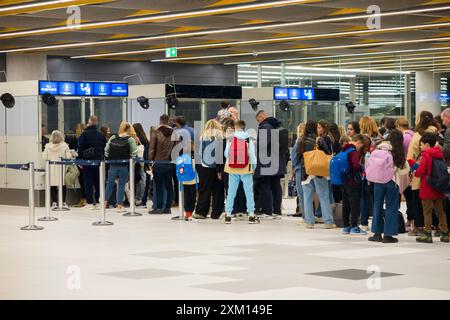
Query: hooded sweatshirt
{"points": [[161, 144], [241, 135], [424, 170], [354, 158], [53, 152]]}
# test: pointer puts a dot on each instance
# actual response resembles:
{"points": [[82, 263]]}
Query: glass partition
{"points": [[190, 109]]}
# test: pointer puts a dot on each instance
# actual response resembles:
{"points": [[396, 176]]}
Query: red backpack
{"points": [[238, 157]]}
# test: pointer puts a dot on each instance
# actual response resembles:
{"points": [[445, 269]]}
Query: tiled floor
{"points": [[154, 257]]}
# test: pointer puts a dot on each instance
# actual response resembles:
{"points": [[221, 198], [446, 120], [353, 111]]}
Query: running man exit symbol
{"points": [[171, 52]]}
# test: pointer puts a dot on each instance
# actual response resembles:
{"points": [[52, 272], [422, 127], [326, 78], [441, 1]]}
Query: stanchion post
{"points": [[132, 212], [31, 217], [180, 202], [102, 221], [48, 216], [61, 206]]}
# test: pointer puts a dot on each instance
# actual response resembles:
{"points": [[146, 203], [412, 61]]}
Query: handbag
{"points": [[317, 163], [71, 176]]}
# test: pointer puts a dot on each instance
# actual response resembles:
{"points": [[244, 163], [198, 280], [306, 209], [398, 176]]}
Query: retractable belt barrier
{"points": [[79, 162]]}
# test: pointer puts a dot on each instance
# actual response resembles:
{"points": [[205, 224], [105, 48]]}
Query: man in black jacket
{"points": [[91, 146], [272, 149]]}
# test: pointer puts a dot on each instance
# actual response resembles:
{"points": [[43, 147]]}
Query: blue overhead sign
{"points": [[85, 88], [48, 87], [67, 88], [305, 94], [102, 89], [72, 88]]}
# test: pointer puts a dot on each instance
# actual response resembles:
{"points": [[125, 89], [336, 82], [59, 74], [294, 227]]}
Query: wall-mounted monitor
{"points": [[85, 88], [72, 88], [305, 94], [119, 89], [102, 89], [48, 87], [280, 93]]}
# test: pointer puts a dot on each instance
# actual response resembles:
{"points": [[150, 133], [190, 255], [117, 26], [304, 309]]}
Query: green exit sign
{"points": [[171, 52]]}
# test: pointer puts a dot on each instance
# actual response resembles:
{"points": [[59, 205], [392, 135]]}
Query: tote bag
{"points": [[317, 163]]}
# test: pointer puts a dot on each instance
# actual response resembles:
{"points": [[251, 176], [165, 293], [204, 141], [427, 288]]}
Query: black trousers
{"points": [[54, 193], [189, 197], [240, 201], [269, 194], [337, 193], [409, 203], [210, 187], [417, 209], [81, 180], [351, 204], [91, 184]]}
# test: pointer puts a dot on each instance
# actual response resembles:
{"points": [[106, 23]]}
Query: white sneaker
{"points": [[54, 205], [276, 216], [65, 205], [121, 209], [365, 228], [91, 206]]}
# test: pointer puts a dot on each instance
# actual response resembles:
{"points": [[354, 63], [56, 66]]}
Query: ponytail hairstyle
{"points": [[395, 137]]}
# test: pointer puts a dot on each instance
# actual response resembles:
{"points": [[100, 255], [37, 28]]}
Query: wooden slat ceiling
{"points": [[23, 19]]}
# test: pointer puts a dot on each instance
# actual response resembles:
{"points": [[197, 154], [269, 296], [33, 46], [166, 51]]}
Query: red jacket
{"points": [[424, 170]]}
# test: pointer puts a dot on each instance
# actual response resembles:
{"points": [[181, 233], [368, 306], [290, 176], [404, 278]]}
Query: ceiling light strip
{"points": [[261, 41], [158, 18], [33, 5], [334, 56], [208, 32], [362, 45]]}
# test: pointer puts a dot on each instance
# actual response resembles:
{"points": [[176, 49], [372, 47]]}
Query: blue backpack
{"points": [[185, 169], [340, 167]]}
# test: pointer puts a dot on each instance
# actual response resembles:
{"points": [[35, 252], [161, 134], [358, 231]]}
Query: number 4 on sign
{"points": [[171, 52]]}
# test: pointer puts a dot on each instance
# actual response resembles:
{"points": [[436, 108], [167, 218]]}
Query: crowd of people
{"points": [[342, 175]]}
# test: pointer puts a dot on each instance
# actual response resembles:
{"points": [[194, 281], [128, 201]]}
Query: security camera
{"points": [[143, 102], [49, 99], [285, 106], [8, 100], [254, 104], [350, 107]]}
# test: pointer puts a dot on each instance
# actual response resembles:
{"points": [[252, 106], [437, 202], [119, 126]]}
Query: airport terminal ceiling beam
{"points": [[241, 29], [164, 17], [21, 7]]}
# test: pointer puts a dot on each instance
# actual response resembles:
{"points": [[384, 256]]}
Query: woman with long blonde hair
{"points": [[211, 171], [120, 147], [369, 127]]}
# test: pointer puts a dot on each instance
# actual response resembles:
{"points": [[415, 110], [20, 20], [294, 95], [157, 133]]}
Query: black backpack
{"points": [[439, 178], [119, 149]]}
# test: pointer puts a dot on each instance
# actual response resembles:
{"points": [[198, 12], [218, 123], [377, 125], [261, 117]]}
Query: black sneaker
{"points": [[253, 220], [156, 211], [376, 237], [227, 220], [167, 210], [389, 239]]}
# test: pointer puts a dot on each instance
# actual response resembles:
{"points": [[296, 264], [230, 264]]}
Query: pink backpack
{"points": [[380, 167]]}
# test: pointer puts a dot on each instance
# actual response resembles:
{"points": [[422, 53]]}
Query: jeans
{"points": [[319, 185], [233, 183], [161, 190], [140, 186], [390, 193], [367, 200], [91, 184], [270, 194], [163, 177], [351, 204], [298, 185], [319, 208], [122, 172]]}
